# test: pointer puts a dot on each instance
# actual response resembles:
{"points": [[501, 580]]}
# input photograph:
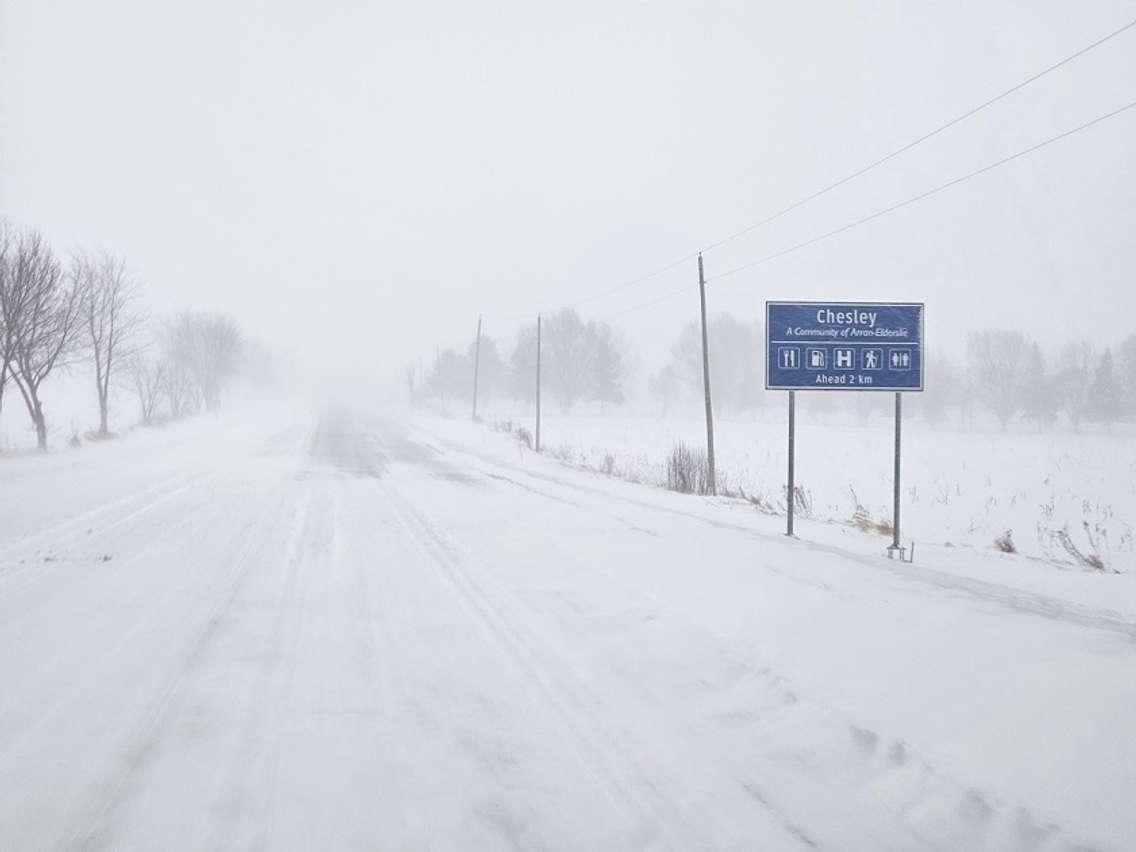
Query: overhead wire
{"points": [[961, 117], [920, 140], [863, 220]]}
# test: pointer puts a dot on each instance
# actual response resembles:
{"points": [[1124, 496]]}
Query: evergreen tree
{"points": [[1072, 378], [1039, 399], [1126, 364], [1105, 402]]}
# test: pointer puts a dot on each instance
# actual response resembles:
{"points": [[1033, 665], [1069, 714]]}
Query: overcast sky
{"points": [[358, 180]]}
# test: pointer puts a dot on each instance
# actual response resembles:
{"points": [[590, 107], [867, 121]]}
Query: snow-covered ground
{"points": [[966, 488], [373, 629]]}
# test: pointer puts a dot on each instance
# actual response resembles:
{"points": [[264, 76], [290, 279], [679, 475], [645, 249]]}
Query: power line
{"points": [[886, 210], [931, 134], [622, 286], [851, 176]]}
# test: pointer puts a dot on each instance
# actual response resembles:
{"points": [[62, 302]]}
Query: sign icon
{"points": [[817, 359], [842, 359], [900, 359], [789, 357], [872, 359]]}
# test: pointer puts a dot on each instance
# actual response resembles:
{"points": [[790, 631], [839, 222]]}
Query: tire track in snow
{"points": [[604, 751], [918, 802], [65, 533], [148, 734], [1016, 600]]}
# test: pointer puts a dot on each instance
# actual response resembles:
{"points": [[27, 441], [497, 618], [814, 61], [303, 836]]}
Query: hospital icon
{"points": [[842, 359]]}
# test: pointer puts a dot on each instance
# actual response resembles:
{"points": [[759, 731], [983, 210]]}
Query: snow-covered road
{"points": [[366, 630]]}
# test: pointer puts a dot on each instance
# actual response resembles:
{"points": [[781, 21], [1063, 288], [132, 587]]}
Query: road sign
{"points": [[875, 346]]}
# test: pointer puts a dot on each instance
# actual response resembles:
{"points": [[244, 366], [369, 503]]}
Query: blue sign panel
{"points": [[843, 346]]}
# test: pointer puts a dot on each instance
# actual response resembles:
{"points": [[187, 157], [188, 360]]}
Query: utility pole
{"points": [[538, 382], [706, 380], [476, 365]]}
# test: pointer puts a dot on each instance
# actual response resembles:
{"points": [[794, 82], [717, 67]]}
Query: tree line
{"points": [[579, 361], [1000, 371], [60, 314]]}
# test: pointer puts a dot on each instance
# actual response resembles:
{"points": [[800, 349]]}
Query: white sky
{"points": [[356, 181]]}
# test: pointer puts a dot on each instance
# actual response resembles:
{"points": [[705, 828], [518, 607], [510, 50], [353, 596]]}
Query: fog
{"points": [[374, 474], [356, 184]]}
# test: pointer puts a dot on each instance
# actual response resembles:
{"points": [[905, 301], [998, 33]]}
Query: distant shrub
{"points": [[688, 470], [521, 433], [802, 501], [862, 520], [1092, 559]]}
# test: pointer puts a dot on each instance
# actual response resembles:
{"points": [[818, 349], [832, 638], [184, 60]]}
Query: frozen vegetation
{"points": [[1056, 496]]}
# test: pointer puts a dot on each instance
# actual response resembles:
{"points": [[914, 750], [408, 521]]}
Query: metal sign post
{"points": [[895, 478], [791, 496], [849, 346]]}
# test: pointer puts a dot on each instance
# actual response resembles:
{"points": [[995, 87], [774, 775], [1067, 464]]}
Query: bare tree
{"points": [[568, 357], [41, 313], [1126, 361], [522, 364], [664, 387], [7, 240], [997, 362], [110, 322], [146, 376], [207, 348], [177, 387]]}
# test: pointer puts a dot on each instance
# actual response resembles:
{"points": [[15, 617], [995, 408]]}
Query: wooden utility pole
{"points": [[538, 383], [476, 365], [706, 381]]}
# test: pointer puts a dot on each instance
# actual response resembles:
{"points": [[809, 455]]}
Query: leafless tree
{"points": [[110, 320], [41, 312], [178, 388], [997, 362], [207, 349], [568, 356], [147, 379], [7, 240]]}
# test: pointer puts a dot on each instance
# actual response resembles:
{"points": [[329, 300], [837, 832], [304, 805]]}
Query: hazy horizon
{"points": [[356, 186]]}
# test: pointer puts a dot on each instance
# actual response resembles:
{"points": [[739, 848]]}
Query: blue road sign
{"points": [[843, 346]]}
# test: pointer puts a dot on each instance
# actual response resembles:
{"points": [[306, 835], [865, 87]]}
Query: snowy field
{"points": [[960, 488]]}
